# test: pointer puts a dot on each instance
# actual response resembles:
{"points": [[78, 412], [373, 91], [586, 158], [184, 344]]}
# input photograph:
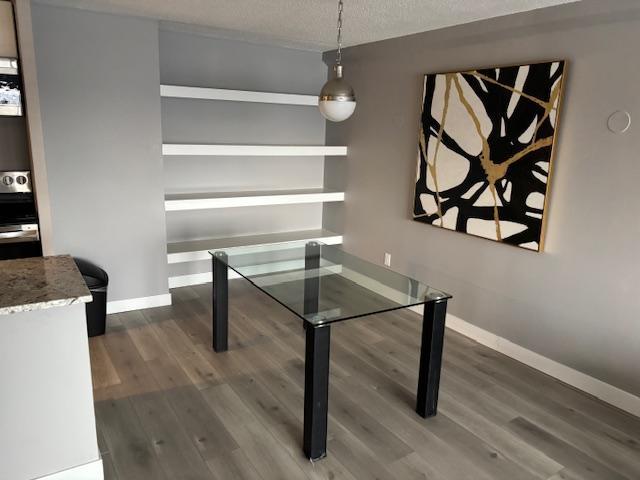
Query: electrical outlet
{"points": [[387, 259]]}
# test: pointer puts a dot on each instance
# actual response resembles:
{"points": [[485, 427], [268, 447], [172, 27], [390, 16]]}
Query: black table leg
{"points": [[316, 391], [311, 279], [220, 302], [431, 357]]}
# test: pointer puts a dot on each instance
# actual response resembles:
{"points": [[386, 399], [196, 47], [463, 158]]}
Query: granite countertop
{"points": [[41, 282]]}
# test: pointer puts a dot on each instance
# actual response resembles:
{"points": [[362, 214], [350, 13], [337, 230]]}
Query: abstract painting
{"points": [[485, 151]]}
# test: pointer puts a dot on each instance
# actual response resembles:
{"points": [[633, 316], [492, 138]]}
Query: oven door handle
{"points": [[19, 236]]}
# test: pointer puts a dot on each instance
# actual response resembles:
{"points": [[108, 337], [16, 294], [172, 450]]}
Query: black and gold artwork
{"points": [[485, 151]]}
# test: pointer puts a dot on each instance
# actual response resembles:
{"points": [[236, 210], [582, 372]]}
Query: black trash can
{"points": [[97, 280]]}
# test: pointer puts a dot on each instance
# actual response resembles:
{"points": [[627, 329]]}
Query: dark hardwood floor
{"points": [[168, 407]]}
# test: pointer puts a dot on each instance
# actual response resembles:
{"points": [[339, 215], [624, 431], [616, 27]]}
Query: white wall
{"points": [[47, 422]]}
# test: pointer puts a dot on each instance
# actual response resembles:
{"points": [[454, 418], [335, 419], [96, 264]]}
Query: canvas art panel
{"points": [[485, 151]]}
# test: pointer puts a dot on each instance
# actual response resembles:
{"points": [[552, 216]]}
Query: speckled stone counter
{"points": [[38, 283]]}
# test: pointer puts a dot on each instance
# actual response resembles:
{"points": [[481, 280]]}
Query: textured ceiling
{"points": [[311, 23]]}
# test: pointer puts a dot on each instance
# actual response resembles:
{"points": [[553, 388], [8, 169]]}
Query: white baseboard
{"points": [[284, 267], [196, 279], [89, 471], [117, 306], [599, 389], [192, 279], [206, 277]]}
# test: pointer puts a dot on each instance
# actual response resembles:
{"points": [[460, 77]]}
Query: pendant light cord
{"points": [[339, 53]]}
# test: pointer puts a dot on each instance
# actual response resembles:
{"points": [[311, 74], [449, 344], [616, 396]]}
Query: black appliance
{"points": [[19, 234]]}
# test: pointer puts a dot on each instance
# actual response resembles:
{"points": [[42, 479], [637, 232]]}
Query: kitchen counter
{"points": [[40, 283], [47, 417]]}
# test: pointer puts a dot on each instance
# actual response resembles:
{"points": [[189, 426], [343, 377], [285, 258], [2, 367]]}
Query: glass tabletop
{"points": [[322, 283]]}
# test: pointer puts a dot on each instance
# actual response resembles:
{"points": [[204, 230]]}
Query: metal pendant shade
{"points": [[337, 100]]}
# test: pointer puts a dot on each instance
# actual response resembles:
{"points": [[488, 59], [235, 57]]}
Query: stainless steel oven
{"points": [[19, 234]]}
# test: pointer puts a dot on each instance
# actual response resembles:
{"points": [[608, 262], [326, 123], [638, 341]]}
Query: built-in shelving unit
{"points": [[185, 255], [177, 91], [286, 270], [210, 200], [252, 150], [197, 250]]}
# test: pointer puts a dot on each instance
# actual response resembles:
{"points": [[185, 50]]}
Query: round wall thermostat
{"points": [[619, 121]]}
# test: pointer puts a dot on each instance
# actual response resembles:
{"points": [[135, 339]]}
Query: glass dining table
{"points": [[323, 285]]}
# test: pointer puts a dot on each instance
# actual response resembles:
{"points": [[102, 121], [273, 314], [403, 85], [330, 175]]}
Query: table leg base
{"points": [[220, 320], [312, 460]]}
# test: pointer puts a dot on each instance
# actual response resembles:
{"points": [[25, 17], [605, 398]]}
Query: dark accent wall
{"points": [[13, 144]]}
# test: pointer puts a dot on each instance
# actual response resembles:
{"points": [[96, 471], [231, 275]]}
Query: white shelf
{"points": [[200, 201], [176, 91], [252, 150], [286, 270], [197, 250]]}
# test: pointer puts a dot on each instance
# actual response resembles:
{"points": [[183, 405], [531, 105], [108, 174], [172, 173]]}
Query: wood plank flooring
{"points": [[168, 407]]}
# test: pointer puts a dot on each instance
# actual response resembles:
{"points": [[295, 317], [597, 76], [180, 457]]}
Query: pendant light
{"points": [[337, 100]]}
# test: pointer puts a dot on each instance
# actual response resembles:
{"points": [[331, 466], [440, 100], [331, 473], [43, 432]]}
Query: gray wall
{"points": [[205, 61], [100, 102], [579, 302]]}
